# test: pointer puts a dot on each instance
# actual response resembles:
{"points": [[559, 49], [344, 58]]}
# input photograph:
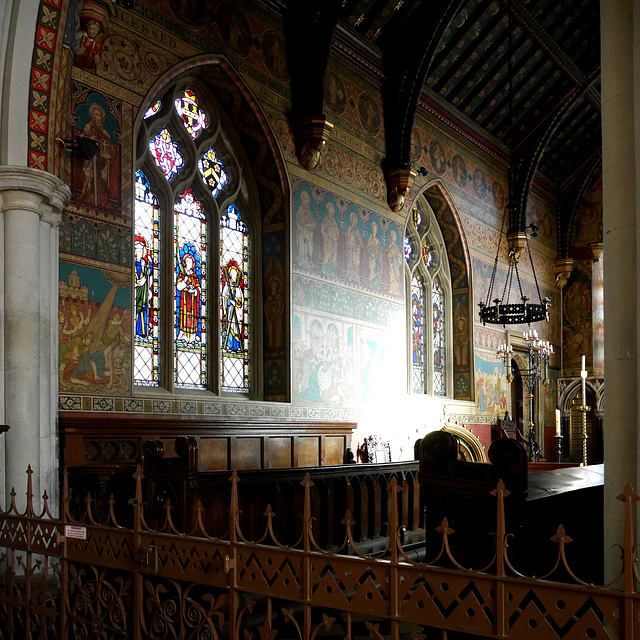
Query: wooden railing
{"points": [[66, 579]]}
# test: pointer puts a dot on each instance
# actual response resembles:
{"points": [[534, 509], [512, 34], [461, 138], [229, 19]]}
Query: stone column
{"points": [[620, 165], [31, 203]]}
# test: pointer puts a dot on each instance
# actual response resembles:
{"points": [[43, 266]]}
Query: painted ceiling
{"points": [[524, 75]]}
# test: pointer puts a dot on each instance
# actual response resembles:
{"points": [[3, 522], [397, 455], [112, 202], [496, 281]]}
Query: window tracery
{"points": [[193, 199], [429, 283]]}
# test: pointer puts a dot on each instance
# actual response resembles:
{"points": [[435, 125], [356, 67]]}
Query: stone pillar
{"points": [[620, 24], [31, 203]]}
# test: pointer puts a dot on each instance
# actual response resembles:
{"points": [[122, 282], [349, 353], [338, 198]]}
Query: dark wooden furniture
{"points": [[538, 502], [224, 443]]}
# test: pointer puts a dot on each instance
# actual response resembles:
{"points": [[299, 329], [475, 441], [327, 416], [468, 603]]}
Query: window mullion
{"points": [[167, 295]]}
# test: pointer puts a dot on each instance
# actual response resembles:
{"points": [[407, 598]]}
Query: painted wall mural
{"points": [[323, 360], [342, 242], [95, 183], [491, 385], [577, 321], [94, 329]]}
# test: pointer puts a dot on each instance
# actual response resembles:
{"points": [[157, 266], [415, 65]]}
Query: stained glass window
{"points": [[190, 293], [234, 302], [152, 110], [407, 249], [427, 254], [430, 280], [417, 333], [175, 272], [212, 171], [146, 265], [165, 152], [439, 377], [417, 218], [192, 115]]}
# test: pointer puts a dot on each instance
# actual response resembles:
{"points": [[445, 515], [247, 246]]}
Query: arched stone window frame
{"points": [[257, 171], [425, 227]]}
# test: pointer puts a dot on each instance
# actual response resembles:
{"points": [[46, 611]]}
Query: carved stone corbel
{"points": [[517, 243], [311, 134], [563, 268], [398, 184]]}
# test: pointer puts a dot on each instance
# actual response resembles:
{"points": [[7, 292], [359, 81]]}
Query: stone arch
{"points": [[573, 388], [274, 199], [459, 266]]}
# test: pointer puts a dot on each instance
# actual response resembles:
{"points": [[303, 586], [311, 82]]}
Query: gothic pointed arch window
{"points": [[195, 229], [428, 304]]}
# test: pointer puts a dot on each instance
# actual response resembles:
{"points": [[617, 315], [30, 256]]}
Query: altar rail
{"points": [[65, 579]]}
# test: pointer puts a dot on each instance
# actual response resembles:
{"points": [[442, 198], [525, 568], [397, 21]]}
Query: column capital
{"points": [[30, 189]]}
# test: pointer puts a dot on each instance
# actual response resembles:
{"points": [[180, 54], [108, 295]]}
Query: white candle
{"points": [[584, 368], [558, 422]]}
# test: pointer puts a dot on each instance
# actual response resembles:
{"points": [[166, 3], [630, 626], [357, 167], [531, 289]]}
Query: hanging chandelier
{"points": [[503, 310]]}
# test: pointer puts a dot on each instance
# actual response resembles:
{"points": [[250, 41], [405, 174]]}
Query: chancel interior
{"points": [[391, 245]]}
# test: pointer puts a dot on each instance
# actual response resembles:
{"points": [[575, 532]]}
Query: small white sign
{"points": [[77, 533]]}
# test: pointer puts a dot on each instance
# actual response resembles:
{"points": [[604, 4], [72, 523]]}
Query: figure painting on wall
{"points": [[274, 51], [322, 363], [235, 29], [394, 259], [305, 224], [373, 253], [353, 246], [274, 305], [96, 182], [189, 290], [437, 156], [94, 330], [93, 17], [334, 92], [369, 113], [490, 388], [331, 234]]}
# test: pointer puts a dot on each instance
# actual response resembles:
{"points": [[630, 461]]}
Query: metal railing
{"points": [[67, 579]]}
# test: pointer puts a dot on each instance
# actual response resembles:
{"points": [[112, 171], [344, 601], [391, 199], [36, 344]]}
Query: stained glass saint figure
{"points": [[212, 171], [146, 258], [189, 288], [417, 332], [427, 254], [234, 302], [193, 117], [165, 152], [190, 322], [143, 272], [439, 379]]}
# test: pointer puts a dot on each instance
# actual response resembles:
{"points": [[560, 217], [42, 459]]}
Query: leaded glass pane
{"points": [[192, 115], [212, 171], [417, 218], [417, 333], [439, 377], [146, 259], [151, 111], [190, 293], [234, 302], [165, 152], [427, 254], [407, 249]]}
